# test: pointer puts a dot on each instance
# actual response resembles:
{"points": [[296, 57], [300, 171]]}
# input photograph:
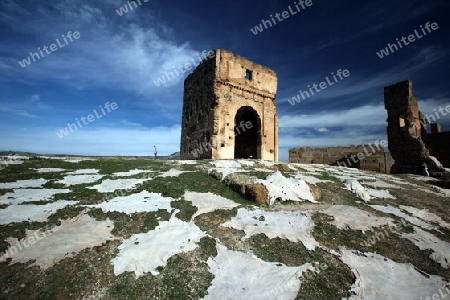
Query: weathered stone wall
{"points": [[198, 112], [370, 158], [405, 128], [216, 94], [439, 146]]}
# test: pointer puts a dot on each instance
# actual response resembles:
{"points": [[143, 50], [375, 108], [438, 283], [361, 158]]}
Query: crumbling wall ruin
{"points": [[364, 157], [229, 110], [438, 144], [405, 129]]}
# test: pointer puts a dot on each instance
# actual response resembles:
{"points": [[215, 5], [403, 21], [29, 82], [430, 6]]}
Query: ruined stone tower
{"points": [[406, 125], [229, 110]]}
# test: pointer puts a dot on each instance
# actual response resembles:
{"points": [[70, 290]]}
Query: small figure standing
{"points": [[156, 152], [425, 169]]}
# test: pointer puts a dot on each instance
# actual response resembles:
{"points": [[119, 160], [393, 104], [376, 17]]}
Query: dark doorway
{"points": [[247, 140]]}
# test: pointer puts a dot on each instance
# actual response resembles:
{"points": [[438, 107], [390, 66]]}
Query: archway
{"points": [[247, 129]]}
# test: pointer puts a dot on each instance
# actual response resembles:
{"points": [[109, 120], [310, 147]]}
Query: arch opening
{"points": [[247, 134]]}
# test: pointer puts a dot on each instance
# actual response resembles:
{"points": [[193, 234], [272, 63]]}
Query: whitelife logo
{"points": [[187, 67], [90, 118], [391, 48], [319, 87], [281, 17], [124, 9], [25, 243], [71, 36], [360, 156]]}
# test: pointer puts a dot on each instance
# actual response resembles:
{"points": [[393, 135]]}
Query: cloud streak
{"points": [[99, 141], [358, 83], [127, 59]]}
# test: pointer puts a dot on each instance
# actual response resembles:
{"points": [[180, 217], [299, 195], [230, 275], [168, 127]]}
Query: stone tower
{"points": [[406, 125], [229, 110]]}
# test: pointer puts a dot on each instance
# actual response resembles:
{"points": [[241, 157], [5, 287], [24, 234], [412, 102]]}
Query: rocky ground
{"points": [[128, 228]]}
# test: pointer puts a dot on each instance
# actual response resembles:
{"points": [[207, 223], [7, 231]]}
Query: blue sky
{"points": [[117, 58]]}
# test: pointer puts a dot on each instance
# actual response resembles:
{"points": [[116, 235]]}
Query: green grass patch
{"points": [[187, 210], [258, 174], [326, 176], [332, 279], [66, 213], [207, 248], [110, 166], [126, 225], [333, 237], [402, 250], [52, 184], [5, 191], [199, 182]]}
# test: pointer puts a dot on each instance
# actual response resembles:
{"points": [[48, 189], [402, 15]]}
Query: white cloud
{"points": [[126, 123], [322, 129], [19, 112], [431, 106], [128, 58], [362, 84], [362, 116], [30, 107], [367, 115], [102, 141], [35, 98], [355, 126], [288, 141]]}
